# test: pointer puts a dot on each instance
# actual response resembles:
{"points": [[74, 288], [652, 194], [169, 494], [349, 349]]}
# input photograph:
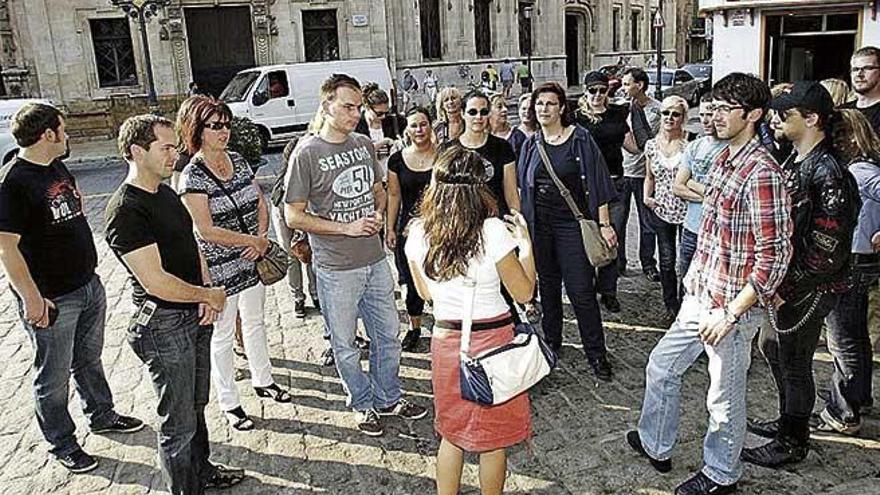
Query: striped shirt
{"points": [[745, 232]]}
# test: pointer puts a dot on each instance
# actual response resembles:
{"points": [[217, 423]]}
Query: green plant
{"points": [[245, 140]]}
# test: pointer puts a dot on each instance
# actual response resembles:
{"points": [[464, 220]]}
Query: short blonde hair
{"points": [[675, 101], [443, 95], [838, 89]]}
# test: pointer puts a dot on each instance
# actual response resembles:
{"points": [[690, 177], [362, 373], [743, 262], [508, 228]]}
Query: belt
{"points": [[477, 326], [865, 259]]}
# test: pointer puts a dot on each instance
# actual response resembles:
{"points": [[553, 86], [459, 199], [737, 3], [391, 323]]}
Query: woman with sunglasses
{"points": [[409, 173], [231, 219], [457, 236], [663, 154], [500, 126], [449, 124], [559, 248], [383, 127], [608, 127]]}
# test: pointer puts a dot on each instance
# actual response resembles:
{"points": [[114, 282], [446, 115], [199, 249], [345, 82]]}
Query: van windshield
{"points": [[238, 87]]}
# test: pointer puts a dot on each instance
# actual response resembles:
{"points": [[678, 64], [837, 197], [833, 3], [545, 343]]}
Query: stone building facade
{"points": [[87, 56]]}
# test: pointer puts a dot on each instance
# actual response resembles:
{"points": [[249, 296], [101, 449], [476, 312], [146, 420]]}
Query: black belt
{"points": [[476, 327]]}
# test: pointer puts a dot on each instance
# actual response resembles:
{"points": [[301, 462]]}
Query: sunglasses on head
{"points": [[667, 113], [473, 112], [216, 126], [597, 89]]}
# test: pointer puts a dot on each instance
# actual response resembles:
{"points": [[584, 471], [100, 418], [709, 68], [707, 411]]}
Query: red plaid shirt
{"points": [[745, 232]]}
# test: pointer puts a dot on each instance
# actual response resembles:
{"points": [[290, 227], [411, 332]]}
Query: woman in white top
{"points": [[663, 154], [459, 235]]}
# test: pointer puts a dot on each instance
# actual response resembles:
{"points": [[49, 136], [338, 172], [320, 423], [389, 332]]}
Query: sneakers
{"points": [[610, 302], [299, 309], [776, 453], [830, 424], [766, 429], [411, 340], [404, 409], [635, 442], [123, 424], [78, 462], [601, 368], [652, 275], [700, 484], [327, 358], [223, 477], [368, 423]]}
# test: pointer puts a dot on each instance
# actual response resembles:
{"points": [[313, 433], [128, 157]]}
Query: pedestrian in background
{"points": [[380, 124], [500, 126], [507, 74], [449, 124]]}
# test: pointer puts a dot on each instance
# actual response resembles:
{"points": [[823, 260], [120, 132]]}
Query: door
{"points": [[221, 44], [273, 104], [572, 50]]}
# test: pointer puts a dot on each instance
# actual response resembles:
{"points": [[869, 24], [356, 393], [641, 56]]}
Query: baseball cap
{"points": [[595, 77], [809, 95]]}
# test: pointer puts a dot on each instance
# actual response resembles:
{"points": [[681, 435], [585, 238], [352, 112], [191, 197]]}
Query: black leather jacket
{"points": [[825, 205]]}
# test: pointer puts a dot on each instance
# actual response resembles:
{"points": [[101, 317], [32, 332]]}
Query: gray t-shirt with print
{"points": [[336, 180], [634, 163]]}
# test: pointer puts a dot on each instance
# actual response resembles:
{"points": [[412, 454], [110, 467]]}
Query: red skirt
{"points": [[468, 425]]}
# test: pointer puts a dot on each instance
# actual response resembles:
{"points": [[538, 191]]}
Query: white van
{"points": [[283, 99], [8, 146]]}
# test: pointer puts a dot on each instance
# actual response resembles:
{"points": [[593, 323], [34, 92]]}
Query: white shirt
{"points": [[449, 296]]}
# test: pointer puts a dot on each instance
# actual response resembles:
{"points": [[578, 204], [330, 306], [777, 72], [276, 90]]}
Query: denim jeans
{"points": [[177, 353], [687, 246], [607, 275], [560, 258], [729, 363], [295, 269], [790, 356], [627, 188], [72, 346], [666, 239], [850, 346], [367, 292]]}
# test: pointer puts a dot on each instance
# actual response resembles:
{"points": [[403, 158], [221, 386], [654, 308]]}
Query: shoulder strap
{"points": [[241, 223], [467, 314], [566, 194]]}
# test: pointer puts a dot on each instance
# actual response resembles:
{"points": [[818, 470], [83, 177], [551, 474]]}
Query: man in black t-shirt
{"points": [[151, 232], [47, 251], [865, 77]]}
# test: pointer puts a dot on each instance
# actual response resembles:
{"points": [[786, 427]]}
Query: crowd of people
{"points": [[765, 225]]}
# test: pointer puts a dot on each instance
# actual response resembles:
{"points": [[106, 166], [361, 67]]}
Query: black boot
{"points": [[790, 446], [763, 428]]}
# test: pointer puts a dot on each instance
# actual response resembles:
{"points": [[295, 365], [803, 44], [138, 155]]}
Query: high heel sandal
{"points": [[274, 392], [238, 419]]}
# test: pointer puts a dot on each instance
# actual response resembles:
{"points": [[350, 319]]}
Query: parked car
{"points": [[282, 99], [702, 71], [676, 82], [8, 146]]}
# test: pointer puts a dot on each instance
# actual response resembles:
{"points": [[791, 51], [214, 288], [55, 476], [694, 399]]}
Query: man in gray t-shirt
{"points": [[334, 192]]}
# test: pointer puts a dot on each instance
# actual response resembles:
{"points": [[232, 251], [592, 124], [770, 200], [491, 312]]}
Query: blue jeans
{"points": [[687, 246], [72, 346], [726, 400], [177, 353], [666, 238], [850, 345], [607, 275], [629, 187], [367, 292]]}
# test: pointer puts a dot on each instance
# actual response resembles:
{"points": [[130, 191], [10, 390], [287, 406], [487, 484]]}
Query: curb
{"points": [[94, 162]]}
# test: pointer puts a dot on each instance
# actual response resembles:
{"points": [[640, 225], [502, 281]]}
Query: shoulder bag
{"points": [[599, 252], [272, 266], [497, 375]]}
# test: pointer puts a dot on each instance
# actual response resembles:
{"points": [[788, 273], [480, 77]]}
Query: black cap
{"points": [[595, 77], [809, 95]]}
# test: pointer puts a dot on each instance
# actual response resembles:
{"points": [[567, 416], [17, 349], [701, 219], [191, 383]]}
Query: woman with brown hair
{"points": [[449, 124], [458, 248], [231, 219], [409, 173], [378, 122]]}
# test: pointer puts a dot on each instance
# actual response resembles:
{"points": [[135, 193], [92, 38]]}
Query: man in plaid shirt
{"points": [[743, 251]]}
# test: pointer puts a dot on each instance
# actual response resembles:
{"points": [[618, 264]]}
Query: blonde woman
{"points": [[838, 89], [450, 123], [500, 126], [663, 154]]}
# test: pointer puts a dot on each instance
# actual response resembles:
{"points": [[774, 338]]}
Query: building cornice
{"points": [[784, 4]]}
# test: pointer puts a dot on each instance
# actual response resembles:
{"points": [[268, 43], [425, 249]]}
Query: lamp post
{"points": [[527, 13], [142, 11], [659, 23]]}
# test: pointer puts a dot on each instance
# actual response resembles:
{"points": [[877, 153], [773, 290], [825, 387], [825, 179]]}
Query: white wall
{"points": [[736, 48], [870, 29]]}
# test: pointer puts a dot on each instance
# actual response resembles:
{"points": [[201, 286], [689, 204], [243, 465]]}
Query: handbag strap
{"points": [[467, 314], [566, 194], [241, 223]]}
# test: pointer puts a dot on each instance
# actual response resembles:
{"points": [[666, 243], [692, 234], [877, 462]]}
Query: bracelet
{"points": [[603, 225]]}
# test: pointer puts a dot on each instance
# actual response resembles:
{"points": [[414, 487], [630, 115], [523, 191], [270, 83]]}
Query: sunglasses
{"points": [[598, 89], [667, 113], [216, 126], [473, 112]]}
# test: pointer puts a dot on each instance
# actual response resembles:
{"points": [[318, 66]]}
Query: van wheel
{"points": [[264, 139]]}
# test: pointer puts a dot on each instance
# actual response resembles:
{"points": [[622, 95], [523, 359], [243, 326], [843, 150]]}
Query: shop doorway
{"points": [[577, 42], [221, 43], [810, 47]]}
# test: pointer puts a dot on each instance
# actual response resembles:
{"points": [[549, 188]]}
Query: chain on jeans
{"points": [[771, 313]]}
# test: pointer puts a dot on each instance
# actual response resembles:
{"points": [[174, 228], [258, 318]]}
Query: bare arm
{"points": [[629, 143], [518, 274], [421, 286], [393, 209], [20, 277], [298, 218], [681, 188], [380, 199], [511, 193], [262, 212], [146, 265], [648, 190]]}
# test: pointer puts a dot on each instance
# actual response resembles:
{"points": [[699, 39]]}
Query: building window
{"points": [[482, 28], [615, 29], [320, 35], [635, 28], [525, 27], [114, 53], [429, 22]]}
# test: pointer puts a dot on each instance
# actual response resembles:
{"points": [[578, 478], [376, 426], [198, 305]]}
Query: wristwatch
{"points": [[730, 317], [603, 225]]}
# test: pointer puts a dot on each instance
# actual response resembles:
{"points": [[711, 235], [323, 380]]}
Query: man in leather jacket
{"points": [[824, 211]]}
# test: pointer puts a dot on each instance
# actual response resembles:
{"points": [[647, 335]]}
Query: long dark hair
{"points": [[453, 210]]}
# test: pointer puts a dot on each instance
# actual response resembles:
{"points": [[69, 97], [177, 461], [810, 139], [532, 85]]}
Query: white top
{"points": [[449, 296], [377, 135]]}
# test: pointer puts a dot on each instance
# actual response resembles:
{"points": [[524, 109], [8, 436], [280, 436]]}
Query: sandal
{"points": [[224, 477], [238, 419], [275, 392]]}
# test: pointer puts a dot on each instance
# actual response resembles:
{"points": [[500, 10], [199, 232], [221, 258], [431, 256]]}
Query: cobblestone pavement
{"points": [[312, 445]]}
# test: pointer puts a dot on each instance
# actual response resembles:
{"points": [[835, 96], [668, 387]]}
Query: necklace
{"points": [[556, 137], [422, 158]]}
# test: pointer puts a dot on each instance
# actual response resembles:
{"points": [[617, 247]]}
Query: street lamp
{"points": [[142, 11], [659, 23], [527, 13]]}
